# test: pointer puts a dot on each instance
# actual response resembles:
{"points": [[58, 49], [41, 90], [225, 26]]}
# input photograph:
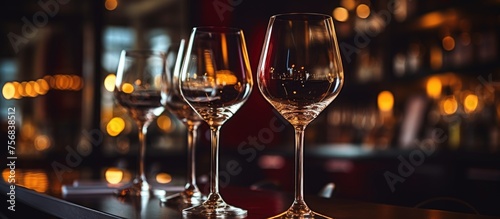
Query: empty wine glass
{"points": [[216, 80], [140, 79], [178, 106], [300, 73]]}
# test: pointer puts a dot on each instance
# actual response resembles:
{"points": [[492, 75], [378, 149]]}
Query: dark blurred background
{"points": [[416, 123]]}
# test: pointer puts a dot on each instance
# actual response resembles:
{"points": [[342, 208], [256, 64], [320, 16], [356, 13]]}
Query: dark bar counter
{"points": [[259, 203]]}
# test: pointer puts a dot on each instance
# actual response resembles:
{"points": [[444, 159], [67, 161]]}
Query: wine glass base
{"points": [[302, 215], [183, 200], [299, 210], [140, 188], [218, 211], [133, 192]]}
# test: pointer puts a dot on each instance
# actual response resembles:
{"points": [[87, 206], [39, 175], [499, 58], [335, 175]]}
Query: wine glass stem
{"points": [[143, 130], [299, 164], [192, 129], [214, 166]]}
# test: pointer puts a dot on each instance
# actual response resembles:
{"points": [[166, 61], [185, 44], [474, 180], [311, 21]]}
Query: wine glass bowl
{"points": [[139, 88], [215, 86], [215, 80], [300, 73]]}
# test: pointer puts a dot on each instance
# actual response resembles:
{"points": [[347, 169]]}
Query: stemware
{"points": [[300, 73], [191, 195], [140, 82], [216, 80]]}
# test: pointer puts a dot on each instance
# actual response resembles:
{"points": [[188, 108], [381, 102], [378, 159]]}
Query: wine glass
{"points": [[216, 80], [140, 80], [191, 195], [300, 73]]}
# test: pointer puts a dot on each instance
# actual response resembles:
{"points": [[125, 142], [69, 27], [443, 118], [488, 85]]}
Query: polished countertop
{"points": [[259, 203]]}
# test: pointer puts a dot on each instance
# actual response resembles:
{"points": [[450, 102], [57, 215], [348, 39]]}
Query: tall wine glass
{"points": [[178, 106], [300, 73], [140, 79], [216, 80]]}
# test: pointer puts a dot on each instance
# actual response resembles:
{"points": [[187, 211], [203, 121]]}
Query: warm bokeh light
{"points": [[127, 88], [44, 86], [111, 4], [6, 174], [50, 80], [65, 82], [29, 89], [20, 89], [8, 90], [348, 4], [113, 175], [341, 14], [163, 178], [223, 45], [164, 123], [448, 43], [109, 82], [37, 88], [225, 77], [385, 101], [436, 57], [449, 105], [471, 102], [62, 82], [431, 20], [42, 142], [138, 82], [16, 84], [16, 90], [115, 126], [363, 11], [434, 87], [32, 179], [209, 67], [36, 180], [76, 83]]}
